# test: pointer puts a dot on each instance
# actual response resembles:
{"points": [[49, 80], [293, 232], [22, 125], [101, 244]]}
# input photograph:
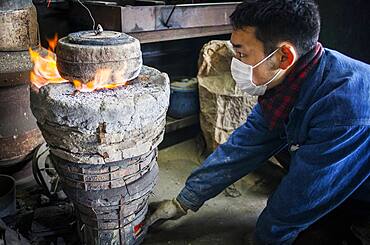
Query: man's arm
{"points": [[246, 149], [324, 171]]}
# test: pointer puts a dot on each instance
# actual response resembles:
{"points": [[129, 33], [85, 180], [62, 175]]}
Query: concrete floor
{"points": [[222, 220], [226, 219]]}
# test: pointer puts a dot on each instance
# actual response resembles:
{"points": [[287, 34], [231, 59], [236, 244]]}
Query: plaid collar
{"points": [[277, 102]]}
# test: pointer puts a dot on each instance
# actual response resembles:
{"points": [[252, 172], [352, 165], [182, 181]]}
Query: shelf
{"points": [[161, 22]]}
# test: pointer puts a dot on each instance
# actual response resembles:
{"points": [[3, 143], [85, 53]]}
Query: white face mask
{"points": [[243, 76]]}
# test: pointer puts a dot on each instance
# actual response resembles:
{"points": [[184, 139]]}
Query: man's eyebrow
{"points": [[236, 45]]}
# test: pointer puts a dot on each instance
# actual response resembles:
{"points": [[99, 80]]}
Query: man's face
{"points": [[250, 50]]}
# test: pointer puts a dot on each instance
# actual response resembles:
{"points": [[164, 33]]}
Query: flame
{"points": [[53, 42], [45, 71], [102, 76]]}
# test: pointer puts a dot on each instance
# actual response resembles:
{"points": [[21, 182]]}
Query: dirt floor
{"points": [[228, 218]]}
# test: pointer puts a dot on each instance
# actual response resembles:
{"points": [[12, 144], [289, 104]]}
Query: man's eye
{"points": [[239, 54]]}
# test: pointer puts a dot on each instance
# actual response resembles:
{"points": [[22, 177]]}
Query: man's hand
{"points": [[162, 211]]}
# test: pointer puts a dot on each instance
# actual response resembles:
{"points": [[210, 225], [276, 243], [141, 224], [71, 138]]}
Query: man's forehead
{"points": [[243, 38]]}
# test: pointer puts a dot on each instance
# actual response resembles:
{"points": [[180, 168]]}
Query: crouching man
{"points": [[314, 103]]}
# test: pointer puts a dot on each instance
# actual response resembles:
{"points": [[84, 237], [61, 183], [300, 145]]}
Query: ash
{"points": [[105, 125]]}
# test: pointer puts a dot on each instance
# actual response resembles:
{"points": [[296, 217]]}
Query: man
{"points": [[314, 102]]}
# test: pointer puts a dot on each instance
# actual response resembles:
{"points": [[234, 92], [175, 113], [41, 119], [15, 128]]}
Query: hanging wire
{"points": [[88, 10]]}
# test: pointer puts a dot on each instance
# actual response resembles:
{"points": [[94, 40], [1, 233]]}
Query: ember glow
{"points": [[45, 71], [99, 82]]}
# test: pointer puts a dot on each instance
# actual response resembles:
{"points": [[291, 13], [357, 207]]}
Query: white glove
{"points": [[162, 211]]}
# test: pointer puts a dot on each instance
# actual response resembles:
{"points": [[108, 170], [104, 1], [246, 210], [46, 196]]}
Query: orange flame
{"points": [[53, 42], [102, 76], [45, 69], [45, 72]]}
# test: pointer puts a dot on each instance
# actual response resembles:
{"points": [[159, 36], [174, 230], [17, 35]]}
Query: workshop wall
{"points": [[345, 27]]}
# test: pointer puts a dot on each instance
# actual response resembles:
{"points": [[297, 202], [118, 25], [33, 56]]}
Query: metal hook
{"points": [[99, 30]]}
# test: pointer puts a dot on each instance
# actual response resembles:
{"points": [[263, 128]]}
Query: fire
{"points": [[53, 42], [45, 71], [99, 82]]}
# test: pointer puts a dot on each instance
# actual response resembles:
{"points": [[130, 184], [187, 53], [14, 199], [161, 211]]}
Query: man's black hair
{"points": [[297, 21]]}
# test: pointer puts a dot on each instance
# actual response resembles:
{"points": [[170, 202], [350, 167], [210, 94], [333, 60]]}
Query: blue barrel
{"points": [[184, 99]]}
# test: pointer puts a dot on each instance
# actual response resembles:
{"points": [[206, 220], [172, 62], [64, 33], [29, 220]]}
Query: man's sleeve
{"points": [[246, 149], [326, 170]]}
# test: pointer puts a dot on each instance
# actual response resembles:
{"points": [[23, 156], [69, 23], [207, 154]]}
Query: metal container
{"points": [[18, 129], [184, 99], [80, 55], [19, 134], [7, 195], [19, 29]]}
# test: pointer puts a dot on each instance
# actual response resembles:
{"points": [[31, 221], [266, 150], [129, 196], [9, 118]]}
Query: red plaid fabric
{"points": [[277, 102]]}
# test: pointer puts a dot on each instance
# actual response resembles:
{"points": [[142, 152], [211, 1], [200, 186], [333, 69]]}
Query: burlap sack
{"points": [[223, 107]]}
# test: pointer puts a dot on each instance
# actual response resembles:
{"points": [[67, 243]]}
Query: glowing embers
{"points": [[99, 82]]}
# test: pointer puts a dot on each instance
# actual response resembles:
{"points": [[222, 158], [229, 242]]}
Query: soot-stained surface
{"points": [[226, 219], [106, 125]]}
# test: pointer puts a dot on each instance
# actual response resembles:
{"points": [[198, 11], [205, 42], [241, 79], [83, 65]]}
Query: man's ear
{"points": [[288, 56]]}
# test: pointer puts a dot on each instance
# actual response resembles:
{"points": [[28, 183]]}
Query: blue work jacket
{"points": [[328, 134]]}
